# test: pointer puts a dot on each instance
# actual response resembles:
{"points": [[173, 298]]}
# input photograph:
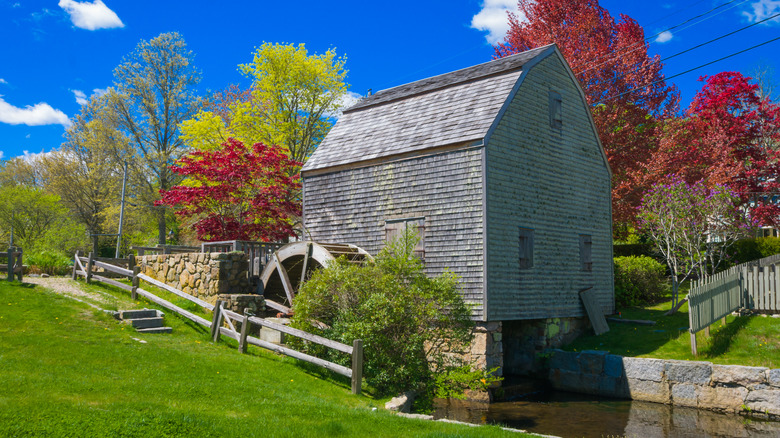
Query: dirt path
{"points": [[70, 288]]}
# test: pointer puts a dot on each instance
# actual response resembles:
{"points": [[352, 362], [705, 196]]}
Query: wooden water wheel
{"points": [[291, 265]]}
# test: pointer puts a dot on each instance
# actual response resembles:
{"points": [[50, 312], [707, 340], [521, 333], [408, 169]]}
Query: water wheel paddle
{"points": [[291, 265]]}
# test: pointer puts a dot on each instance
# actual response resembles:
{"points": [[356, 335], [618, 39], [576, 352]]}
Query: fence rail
{"points": [[13, 264], [84, 266], [752, 285], [258, 253]]}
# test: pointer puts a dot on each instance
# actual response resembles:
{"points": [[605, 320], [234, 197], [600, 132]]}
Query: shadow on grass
{"points": [[722, 339], [629, 339]]}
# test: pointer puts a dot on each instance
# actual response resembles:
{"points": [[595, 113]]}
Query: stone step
{"points": [[155, 330], [138, 314], [143, 323]]}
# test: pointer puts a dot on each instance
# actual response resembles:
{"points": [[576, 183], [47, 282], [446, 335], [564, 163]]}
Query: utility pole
{"points": [[121, 212]]}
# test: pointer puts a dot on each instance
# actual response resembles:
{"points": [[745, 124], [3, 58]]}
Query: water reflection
{"points": [[573, 415]]}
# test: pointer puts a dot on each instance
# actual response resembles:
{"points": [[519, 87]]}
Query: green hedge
{"points": [[639, 280], [754, 248]]}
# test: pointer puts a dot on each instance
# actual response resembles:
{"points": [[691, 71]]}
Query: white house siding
{"points": [[556, 183], [351, 206]]}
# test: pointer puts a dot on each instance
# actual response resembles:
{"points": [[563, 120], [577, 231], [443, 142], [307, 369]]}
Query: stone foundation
{"points": [[702, 385], [526, 340], [203, 275], [239, 303]]}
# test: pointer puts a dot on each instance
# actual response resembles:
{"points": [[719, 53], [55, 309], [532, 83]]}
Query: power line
{"points": [[695, 47], [686, 71], [636, 46]]}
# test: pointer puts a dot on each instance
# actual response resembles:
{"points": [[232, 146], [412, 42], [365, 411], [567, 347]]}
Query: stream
{"points": [[571, 415]]}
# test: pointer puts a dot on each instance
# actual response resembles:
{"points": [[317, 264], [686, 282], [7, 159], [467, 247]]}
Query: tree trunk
{"points": [[161, 226], [95, 238]]}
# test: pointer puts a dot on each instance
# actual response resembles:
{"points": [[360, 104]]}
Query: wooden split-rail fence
{"points": [[223, 320], [753, 285], [13, 264]]}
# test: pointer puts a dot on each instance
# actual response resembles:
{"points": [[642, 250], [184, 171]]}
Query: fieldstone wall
{"points": [[203, 275], [702, 385]]}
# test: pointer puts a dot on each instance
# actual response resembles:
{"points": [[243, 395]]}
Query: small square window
{"points": [[586, 245], [396, 229], [556, 111], [526, 246]]}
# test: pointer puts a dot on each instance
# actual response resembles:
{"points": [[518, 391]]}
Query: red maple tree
{"points": [[237, 192], [620, 79], [723, 141]]}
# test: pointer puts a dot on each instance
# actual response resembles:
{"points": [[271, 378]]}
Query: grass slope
{"points": [[744, 340], [69, 370]]}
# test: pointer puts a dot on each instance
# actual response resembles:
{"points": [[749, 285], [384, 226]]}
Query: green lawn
{"points": [[744, 340], [69, 370]]}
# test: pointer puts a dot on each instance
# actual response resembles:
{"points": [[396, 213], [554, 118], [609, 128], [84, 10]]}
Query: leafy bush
{"points": [[406, 320], [48, 262], [638, 280], [745, 250]]}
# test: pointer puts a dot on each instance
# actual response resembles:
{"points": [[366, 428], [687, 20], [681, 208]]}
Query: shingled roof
{"points": [[452, 108]]}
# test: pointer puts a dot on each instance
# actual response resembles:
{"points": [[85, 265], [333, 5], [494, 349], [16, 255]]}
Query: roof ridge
{"points": [[433, 83]]}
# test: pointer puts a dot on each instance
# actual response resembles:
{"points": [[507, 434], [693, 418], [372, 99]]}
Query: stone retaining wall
{"points": [[702, 385], [203, 275]]}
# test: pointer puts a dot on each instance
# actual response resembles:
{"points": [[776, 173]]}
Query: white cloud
{"points": [[3, 81], [81, 98], [99, 91], [33, 157], [763, 9], [91, 16], [494, 20], [345, 102], [2, 154], [36, 115], [664, 37]]}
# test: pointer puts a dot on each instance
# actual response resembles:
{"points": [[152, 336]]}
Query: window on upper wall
{"points": [[395, 229], [526, 246], [586, 245], [556, 112]]}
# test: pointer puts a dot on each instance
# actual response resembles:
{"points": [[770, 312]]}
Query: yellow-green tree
{"points": [[293, 99]]}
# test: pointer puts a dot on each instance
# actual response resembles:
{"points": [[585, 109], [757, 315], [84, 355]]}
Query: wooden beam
{"points": [[174, 308], [134, 288], [175, 291], [102, 279], [215, 322], [693, 344], [336, 368], [113, 268], [288, 289], [595, 314], [75, 264], [244, 331], [357, 366], [90, 262], [295, 332], [306, 257], [276, 306]]}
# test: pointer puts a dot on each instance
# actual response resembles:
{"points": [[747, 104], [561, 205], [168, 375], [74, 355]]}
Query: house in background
{"points": [[500, 169]]}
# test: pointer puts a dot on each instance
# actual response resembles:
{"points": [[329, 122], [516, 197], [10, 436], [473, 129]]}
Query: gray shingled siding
{"points": [[558, 185], [446, 189]]}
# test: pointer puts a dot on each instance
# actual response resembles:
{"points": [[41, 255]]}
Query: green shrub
{"points": [[406, 320], [48, 262], [638, 280], [754, 248]]}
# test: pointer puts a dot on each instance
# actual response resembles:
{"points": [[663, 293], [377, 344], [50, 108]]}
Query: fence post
{"points": [[216, 321], [693, 344], [10, 263], [357, 365], [19, 261], [89, 266], [244, 331], [134, 290], [75, 263], [131, 261]]}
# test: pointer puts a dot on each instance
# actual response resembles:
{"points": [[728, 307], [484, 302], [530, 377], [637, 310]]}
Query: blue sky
{"points": [[57, 53]]}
